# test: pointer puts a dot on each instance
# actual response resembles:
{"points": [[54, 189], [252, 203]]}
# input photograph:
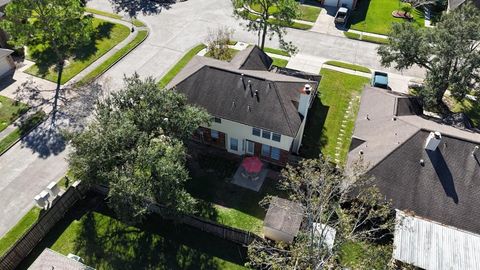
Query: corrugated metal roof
{"points": [[434, 246]]}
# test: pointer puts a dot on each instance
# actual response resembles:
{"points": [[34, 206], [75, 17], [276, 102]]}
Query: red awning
{"points": [[252, 164]]}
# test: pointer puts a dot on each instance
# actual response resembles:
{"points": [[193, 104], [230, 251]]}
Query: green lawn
{"points": [[139, 38], [276, 51], [376, 40], [136, 22], [106, 243], [307, 13], [296, 25], [19, 229], [225, 202], [21, 131], [470, 108], [279, 62], [375, 16], [107, 35], [328, 111], [348, 66], [355, 255], [181, 64], [10, 110]]}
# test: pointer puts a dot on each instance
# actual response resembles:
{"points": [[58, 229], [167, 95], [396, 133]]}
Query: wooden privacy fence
{"points": [[223, 231], [24, 245]]}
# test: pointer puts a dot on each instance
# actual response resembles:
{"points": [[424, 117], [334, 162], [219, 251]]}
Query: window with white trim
{"points": [[275, 153], [256, 132], [276, 137], [214, 134], [233, 144], [266, 134]]}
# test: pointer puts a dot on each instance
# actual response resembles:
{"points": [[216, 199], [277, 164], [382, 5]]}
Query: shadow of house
{"points": [[315, 128], [443, 173]]}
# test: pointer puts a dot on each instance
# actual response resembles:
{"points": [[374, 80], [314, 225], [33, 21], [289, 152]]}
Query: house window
{"points": [[214, 134], [217, 120], [275, 153], [265, 150], [233, 144], [266, 134], [276, 137], [256, 132]]}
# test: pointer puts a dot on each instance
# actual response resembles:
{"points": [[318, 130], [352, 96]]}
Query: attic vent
{"points": [[242, 82], [249, 108], [257, 96], [250, 84], [433, 140], [422, 162], [233, 105], [475, 150]]}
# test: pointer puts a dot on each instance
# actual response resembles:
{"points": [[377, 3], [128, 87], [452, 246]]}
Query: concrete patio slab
{"points": [[242, 179]]}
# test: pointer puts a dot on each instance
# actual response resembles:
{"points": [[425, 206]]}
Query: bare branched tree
{"points": [[331, 199], [217, 43]]}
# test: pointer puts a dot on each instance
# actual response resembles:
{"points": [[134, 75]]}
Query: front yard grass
{"points": [[375, 16], [279, 62], [328, 111], [107, 35], [233, 52], [19, 229], [276, 51], [225, 202], [470, 107], [348, 66], [307, 13], [367, 38], [180, 64], [21, 131], [104, 242], [296, 25], [10, 110], [117, 56]]}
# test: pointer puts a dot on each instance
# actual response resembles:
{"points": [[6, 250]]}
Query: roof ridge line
{"points": [[283, 109]]}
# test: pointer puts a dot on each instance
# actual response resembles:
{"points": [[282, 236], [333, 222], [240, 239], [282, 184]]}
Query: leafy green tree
{"points": [[52, 29], [147, 7], [449, 52], [135, 145], [349, 203], [262, 22]]}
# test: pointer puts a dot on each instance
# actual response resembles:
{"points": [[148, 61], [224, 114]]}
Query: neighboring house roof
{"points": [[392, 138], [284, 216], [5, 52], [50, 259], [433, 246], [252, 58], [223, 90]]}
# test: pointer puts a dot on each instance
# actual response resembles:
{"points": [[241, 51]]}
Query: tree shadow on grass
{"points": [[359, 14], [314, 138], [45, 58]]}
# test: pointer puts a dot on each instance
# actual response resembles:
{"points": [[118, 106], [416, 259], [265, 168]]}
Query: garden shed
{"points": [[283, 220]]}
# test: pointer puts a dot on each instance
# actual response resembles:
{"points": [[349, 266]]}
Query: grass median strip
{"points": [[348, 66], [19, 229], [141, 35], [136, 22], [279, 62], [10, 110], [21, 131], [181, 64], [296, 25], [366, 38], [276, 51]]}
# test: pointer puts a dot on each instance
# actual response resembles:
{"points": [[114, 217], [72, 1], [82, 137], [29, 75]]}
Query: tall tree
{"points": [[449, 52], [348, 203], [52, 29], [135, 146], [272, 18]]}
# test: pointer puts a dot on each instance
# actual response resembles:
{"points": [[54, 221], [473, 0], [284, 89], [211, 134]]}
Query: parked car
{"points": [[380, 79], [342, 15]]}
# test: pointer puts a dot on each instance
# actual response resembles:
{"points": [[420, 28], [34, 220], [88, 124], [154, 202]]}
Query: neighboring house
{"points": [[257, 109], [351, 4], [6, 62], [453, 4], [3, 35], [426, 168], [51, 260]]}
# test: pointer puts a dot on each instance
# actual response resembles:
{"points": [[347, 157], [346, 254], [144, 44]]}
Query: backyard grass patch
{"points": [[276, 51], [225, 202], [470, 107], [139, 38], [354, 255], [107, 35], [329, 109], [375, 16], [19, 229], [21, 131], [348, 66], [306, 13], [104, 242], [181, 64], [10, 110], [376, 40], [279, 62]]}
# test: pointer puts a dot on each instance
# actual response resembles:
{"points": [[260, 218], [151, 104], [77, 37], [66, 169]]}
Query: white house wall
{"points": [[243, 132]]}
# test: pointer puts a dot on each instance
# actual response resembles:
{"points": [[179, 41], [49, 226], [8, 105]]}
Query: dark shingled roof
{"points": [[252, 58], [284, 215], [445, 189], [441, 185], [270, 101]]}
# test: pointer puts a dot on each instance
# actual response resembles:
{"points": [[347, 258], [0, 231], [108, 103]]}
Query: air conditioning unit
{"points": [[53, 189], [42, 199]]}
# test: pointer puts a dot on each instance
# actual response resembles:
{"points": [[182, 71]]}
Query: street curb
{"points": [[23, 136]]}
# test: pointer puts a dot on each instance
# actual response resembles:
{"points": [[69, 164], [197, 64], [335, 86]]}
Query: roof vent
{"points": [[475, 150], [249, 108], [422, 162], [257, 96], [433, 140], [242, 82]]}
